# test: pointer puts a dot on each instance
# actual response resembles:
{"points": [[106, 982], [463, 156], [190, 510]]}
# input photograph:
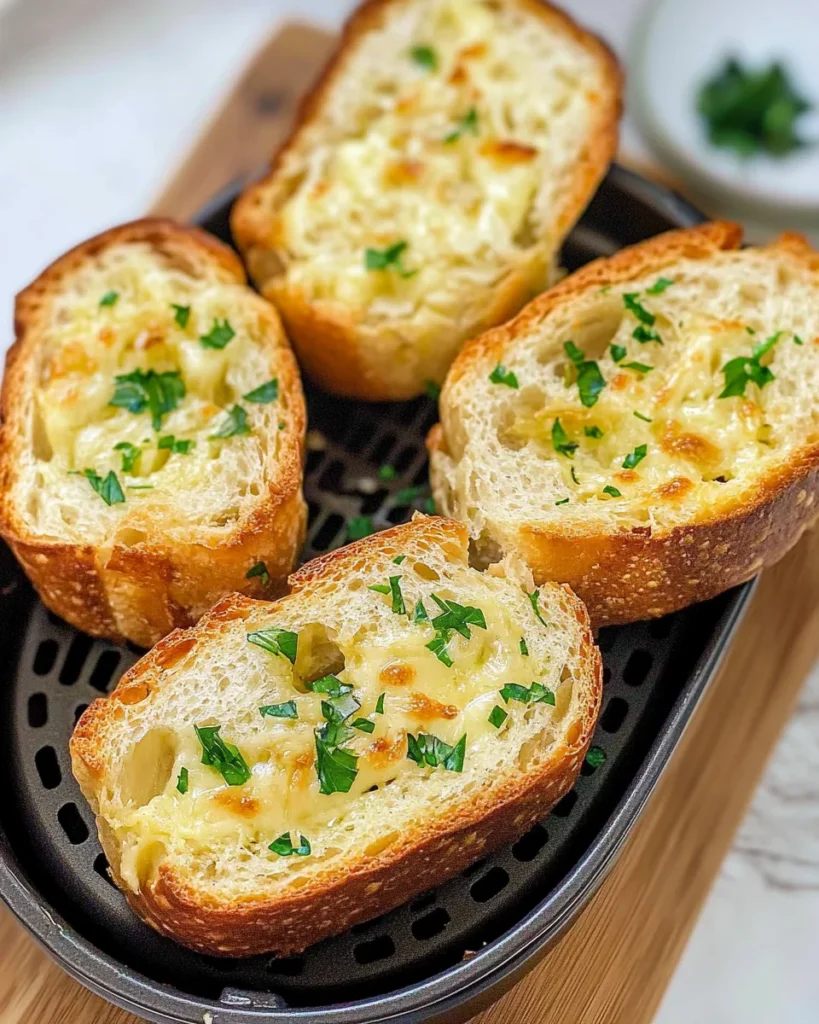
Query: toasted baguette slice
{"points": [[668, 486], [189, 842], [128, 516], [433, 173]]}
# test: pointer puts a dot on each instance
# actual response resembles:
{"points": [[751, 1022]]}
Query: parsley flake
{"points": [[364, 725], [618, 352], [430, 751], [178, 446], [635, 457], [260, 570], [797, 340], [379, 588], [286, 710], [420, 613], [276, 641], [595, 756], [743, 370], [645, 334], [534, 598], [432, 390], [631, 300], [425, 57], [159, 393], [645, 419], [560, 441], [359, 527], [563, 501], [590, 381], [224, 757], [218, 336], [612, 491], [497, 716], [388, 259], [234, 426], [107, 488], [641, 368], [524, 650], [397, 596], [387, 472], [130, 454], [336, 767], [264, 393], [182, 780], [284, 847], [537, 693], [109, 299], [660, 285], [467, 123], [500, 375], [181, 315], [594, 432], [379, 704]]}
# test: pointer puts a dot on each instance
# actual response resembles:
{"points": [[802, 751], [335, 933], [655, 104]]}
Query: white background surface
{"points": [[98, 100]]}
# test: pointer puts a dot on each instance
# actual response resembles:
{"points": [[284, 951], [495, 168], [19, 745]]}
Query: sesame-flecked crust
{"points": [[328, 338], [143, 591], [346, 893], [643, 573]]}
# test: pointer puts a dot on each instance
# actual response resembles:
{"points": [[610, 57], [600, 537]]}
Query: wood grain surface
{"points": [[615, 964]]}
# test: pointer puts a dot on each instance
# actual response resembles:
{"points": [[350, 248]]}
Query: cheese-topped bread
{"points": [[152, 439], [285, 770], [647, 431], [433, 174]]}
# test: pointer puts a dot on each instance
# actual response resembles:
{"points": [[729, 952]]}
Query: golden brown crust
{"points": [[410, 863], [142, 591], [641, 574], [325, 334]]}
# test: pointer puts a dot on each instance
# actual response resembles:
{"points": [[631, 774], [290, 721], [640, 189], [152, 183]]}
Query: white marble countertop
{"points": [[98, 100]]}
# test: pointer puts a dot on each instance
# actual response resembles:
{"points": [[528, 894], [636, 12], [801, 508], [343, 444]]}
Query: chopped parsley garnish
{"points": [[590, 381], [500, 375], [574, 476], [130, 454], [429, 506], [660, 285], [645, 334], [223, 756], [399, 559], [286, 710], [467, 123], [159, 393], [797, 340], [420, 613], [397, 596], [638, 367], [109, 298], [339, 708], [260, 570], [379, 588], [457, 617], [428, 750], [331, 685], [534, 597], [364, 725], [284, 847], [438, 645], [407, 495], [618, 352], [379, 704], [181, 315], [234, 426], [743, 370], [645, 419], [635, 457], [432, 390], [524, 650], [264, 393], [631, 300], [107, 488], [425, 57], [182, 780], [387, 472], [276, 641], [336, 767], [563, 501], [752, 112], [359, 526], [612, 491], [218, 336], [140, 487], [595, 432], [595, 756], [179, 446], [560, 441], [537, 693], [388, 259], [497, 716]]}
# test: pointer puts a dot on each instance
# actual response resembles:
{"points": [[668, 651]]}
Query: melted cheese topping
{"points": [[695, 441], [88, 344], [421, 695], [459, 160]]}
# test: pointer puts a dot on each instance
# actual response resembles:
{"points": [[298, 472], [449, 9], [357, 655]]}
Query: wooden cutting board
{"points": [[615, 964]]}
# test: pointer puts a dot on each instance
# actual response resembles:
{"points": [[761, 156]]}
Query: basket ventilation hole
{"points": [[289, 966], [423, 902], [37, 710], [614, 715], [45, 657], [101, 867], [314, 460], [360, 437], [328, 532], [564, 808], [75, 659], [473, 869], [430, 925], [48, 767], [488, 886], [373, 502], [366, 926], [530, 845], [606, 638], [637, 668], [331, 477], [383, 449], [104, 670], [380, 948], [660, 629], [72, 824], [606, 675], [399, 514], [79, 711]]}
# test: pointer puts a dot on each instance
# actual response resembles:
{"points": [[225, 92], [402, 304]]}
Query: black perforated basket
{"points": [[446, 953]]}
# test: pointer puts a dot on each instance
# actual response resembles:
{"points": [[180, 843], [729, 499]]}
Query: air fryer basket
{"points": [[444, 954]]}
